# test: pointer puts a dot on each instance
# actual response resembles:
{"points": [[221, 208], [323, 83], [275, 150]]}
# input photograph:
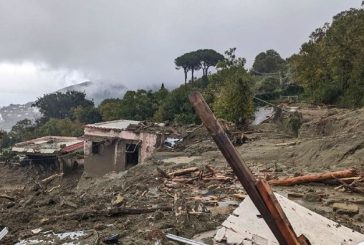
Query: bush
{"points": [[234, 101], [269, 84]]}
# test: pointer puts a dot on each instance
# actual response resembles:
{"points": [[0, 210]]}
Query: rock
{"points": [[36, 231], [343, 208], [312, 197], [359, 217], [10, 204], [99, 226], [357, 200], [119, 199], [113, 239], [44, 221], [294, 195], [158, 215]]}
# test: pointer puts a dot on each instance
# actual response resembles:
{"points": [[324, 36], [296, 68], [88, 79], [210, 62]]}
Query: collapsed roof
{"points": [[49, 145]]}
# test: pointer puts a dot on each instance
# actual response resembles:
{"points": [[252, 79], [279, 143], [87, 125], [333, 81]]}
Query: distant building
{"points": [[54, 152], [118, 145]]}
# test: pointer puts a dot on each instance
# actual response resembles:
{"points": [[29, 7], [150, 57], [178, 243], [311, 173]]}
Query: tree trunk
{"points": [[186, 71], [314, 177], [192, 79], [206, 70]]}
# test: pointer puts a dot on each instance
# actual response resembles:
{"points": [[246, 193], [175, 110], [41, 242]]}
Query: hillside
{"points": [[96, 91], [11, 114]]}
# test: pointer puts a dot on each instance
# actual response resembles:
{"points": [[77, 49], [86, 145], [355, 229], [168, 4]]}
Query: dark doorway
{"points": [[132, 155], [96, 147]]}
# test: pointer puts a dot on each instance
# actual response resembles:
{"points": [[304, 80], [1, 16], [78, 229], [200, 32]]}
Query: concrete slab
{"points": [[117, 124], [245, 226], [48, 145]]}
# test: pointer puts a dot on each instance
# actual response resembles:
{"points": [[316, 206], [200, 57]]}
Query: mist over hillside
{"points": [[95, 91]]}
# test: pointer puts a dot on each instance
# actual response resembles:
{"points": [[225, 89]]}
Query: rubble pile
{"points": [[189, 190]]}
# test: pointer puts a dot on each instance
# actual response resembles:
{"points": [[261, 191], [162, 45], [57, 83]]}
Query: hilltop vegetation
{"points": [[330, 65]]}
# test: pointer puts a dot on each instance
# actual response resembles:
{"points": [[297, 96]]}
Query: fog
{"points": [[46, 45]]}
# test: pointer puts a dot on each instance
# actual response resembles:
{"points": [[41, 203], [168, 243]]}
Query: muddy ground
{"points": [[141, 205]]}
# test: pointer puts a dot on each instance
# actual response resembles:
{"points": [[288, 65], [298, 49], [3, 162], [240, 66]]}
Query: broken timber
{"points": [[267, 206], [315, 177]]}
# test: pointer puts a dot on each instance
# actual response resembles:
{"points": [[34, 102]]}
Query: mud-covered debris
{"points": [[118, 200], [312, 197], [113, 239], [344, 208], [36, 231], [66, 203]]}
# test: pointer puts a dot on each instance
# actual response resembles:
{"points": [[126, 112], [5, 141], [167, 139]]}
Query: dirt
{"points": [[329, 139]]}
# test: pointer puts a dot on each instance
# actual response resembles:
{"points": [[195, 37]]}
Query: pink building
{"points": [[118, 145]]}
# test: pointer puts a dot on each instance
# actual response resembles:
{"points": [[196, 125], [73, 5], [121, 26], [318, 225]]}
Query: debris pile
{"points": [[189, 198]]}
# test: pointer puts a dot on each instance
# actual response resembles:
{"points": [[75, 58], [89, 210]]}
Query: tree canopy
{"points": [[234, 94], [195, 60], [60, 105], [208, 58], [330, 65], [268, 62]]}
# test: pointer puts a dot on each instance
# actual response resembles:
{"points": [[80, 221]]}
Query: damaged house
{"points": [[51, 152], [115, 146]]}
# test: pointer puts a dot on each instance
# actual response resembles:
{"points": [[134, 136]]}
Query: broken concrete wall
{"points": [[112, 155], [97, 164], [149, 141]]}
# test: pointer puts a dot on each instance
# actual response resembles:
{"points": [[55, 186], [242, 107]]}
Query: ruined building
{"points": [[51, 152], [118, 145]]}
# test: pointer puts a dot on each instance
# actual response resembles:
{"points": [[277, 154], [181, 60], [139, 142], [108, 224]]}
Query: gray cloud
{"points": [[135, 42]]}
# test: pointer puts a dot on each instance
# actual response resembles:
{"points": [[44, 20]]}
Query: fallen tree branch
{"points": [[7, 197], [163, 173], [184, 171], [185, 180], [50, 178], [314, 177], [355, 182], [349, 187], [287, 143], [218, 178], [54, 188], [350, 180], [86, 214]]}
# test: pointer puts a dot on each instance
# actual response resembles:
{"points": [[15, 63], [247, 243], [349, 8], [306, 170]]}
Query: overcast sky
{"points": [[46, 45]]}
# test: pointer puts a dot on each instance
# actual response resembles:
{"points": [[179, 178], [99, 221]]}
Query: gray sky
{"points": [[46, 45]]}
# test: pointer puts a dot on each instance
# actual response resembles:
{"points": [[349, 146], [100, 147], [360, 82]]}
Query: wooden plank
{"points": [[277, 212]]}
